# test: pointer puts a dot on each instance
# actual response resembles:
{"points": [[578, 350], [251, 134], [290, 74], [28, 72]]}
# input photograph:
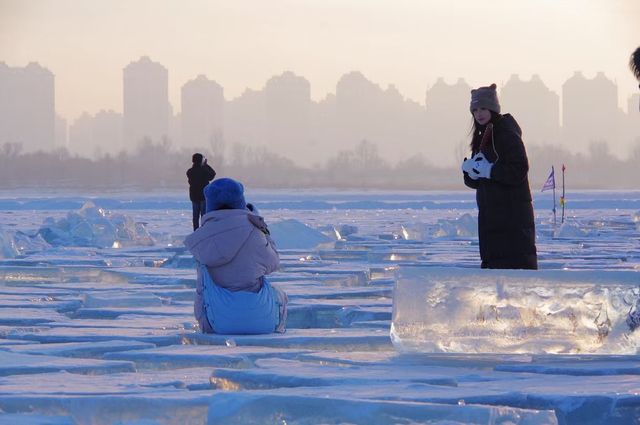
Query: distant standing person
{"points": [[199, 175], [498, 172], [634, 64]]}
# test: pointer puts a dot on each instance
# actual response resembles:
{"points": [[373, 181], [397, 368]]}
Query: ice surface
{"points": [[174, 407], [31, 419], [264, 408], [102, 335], [14, 363], [92, 349], [310, 339], [515, 311]]}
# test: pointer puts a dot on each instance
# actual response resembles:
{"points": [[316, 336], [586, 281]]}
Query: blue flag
{"points": [[550, 183]]}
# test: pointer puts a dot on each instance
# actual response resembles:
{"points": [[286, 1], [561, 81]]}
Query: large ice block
{"points": [[293, 234], [456, 310], [8, 248], [96, 227]]}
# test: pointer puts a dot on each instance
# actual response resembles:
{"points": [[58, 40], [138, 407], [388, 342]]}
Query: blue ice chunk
{"points": [[293, 234], [96, 227]]}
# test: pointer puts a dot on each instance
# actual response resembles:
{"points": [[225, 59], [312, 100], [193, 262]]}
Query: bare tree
{"points": [[11, 150], [217, 146]]}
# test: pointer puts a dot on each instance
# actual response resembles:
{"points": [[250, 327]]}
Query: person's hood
{"points": [[508, 123], [221, 235]]}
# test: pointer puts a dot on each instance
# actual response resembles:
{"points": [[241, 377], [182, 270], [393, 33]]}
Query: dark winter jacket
{"points": [[506, 227], [199, 176]]}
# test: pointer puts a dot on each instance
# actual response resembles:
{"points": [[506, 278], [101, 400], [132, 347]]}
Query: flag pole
{"points": [[550, 183], [562, 197], [554, 201]]}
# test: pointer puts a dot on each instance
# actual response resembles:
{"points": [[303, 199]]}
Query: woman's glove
{"points": [[467, 167], [481, 167]]}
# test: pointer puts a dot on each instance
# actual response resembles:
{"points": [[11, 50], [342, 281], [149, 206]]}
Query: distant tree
{"points": [[239, 155], [413, 172], [461, 150], [11, 150], [599, 150], [339, 168], [156, 165], [61, 153], [367, 157], [217, 146], [634, 158]]}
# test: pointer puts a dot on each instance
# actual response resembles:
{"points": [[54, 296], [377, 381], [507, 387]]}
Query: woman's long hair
{"points": [[634, 63], [478, 131]]}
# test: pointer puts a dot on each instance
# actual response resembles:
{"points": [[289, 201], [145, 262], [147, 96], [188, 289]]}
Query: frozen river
{"points": [[97, 327]]}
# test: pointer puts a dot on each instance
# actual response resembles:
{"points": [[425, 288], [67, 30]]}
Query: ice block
{"points": [[462, 310]]}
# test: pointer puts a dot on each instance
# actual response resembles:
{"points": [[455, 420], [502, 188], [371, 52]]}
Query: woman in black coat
{"points": [[498, 172]]}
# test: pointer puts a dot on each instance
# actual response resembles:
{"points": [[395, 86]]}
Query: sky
{"points": [[241, 44]]}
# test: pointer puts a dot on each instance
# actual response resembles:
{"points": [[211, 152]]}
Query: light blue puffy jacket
{"points": [[236, 252]]}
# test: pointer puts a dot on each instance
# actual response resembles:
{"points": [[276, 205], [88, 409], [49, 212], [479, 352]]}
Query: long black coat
{"points": [[506, 227], [199, 176]]}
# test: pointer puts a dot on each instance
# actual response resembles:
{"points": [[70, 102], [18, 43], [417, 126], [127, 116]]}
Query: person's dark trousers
{"points": [[198, 211]]}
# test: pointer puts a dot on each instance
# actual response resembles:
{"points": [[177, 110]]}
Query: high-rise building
{"points": [[288, 104], [382, 117], [590, 112], [202, 113], [107, 132], [245, 119], [321, 124], [61, 132], [146, 101], [632, 104], [632, 127], [93, 136], [448, 122], [81, 136], [27, 106], [358, 107], [535, 108], [175, 127]]}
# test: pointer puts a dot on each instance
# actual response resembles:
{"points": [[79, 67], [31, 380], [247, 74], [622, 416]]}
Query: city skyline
{"points": [[176, 106], [283, 118], [241, 45]]}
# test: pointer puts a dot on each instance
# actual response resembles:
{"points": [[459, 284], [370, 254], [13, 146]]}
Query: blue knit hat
{"points": [[224, 193]]}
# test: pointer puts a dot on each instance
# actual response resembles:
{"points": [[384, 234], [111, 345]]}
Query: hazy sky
{"points": [[409, 43]]}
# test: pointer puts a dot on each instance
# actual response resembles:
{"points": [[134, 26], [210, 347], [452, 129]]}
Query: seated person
{"points": [[235, 252]]}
